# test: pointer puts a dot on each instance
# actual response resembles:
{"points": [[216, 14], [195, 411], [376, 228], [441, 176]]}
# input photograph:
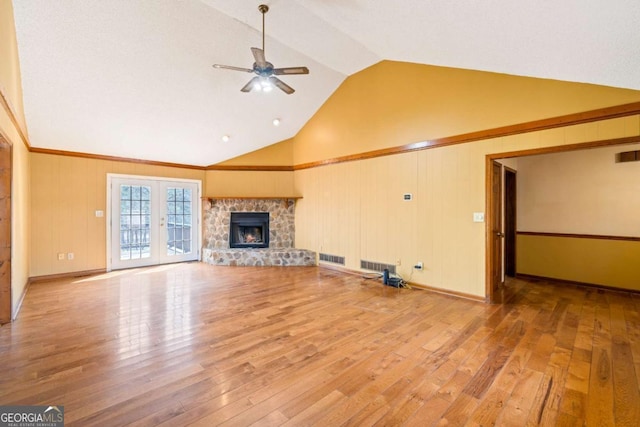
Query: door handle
{"points": [[499, 234]]}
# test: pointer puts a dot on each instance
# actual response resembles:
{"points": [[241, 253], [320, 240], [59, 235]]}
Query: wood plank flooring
{"points": [[194, 344]]}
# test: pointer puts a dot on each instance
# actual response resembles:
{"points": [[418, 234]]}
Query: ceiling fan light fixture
{"points": [[265, 84], [265, 81]]}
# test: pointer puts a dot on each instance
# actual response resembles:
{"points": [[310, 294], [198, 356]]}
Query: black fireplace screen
{"points": [[249, 230]]}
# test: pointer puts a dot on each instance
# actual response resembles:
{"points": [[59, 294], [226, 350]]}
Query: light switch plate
{"points": [[99, 214], [478, 217]]}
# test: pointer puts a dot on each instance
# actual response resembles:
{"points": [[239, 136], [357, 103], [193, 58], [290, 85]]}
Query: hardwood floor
{"points": [[197, 344]]}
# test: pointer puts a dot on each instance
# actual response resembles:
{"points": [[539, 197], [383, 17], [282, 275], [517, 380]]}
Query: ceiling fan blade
{"points": [[252, 83], [281, 85], [258, 55], [290, 70], [230, 67]]}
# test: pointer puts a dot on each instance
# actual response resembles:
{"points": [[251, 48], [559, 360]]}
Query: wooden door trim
{"points": [[489, 241], [6, 306]]}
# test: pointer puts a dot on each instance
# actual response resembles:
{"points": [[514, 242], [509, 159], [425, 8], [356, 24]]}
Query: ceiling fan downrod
{"points": [[263, 8]]}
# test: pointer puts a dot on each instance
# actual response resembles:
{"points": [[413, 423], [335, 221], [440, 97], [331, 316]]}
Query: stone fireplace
{"points": [[251, 232]]}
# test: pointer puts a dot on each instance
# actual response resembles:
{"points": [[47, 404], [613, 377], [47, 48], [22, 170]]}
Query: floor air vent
{"points": [[377, 266], [332, 258]]}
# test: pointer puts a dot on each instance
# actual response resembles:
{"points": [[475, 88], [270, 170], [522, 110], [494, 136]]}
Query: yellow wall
{"points": [[255, 183], [10, 81], [392, 104], [280, 154], [603, 262], [11, 89], [249, 184], [66, 192], [356, 210]]}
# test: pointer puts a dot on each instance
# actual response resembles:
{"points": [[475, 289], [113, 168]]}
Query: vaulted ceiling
{"points": [[134, 78]]}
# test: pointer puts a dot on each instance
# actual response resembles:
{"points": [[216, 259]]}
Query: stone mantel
{"points": [[286, 199]]}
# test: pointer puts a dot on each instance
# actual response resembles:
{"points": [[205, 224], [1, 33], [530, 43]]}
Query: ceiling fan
{"points": [[265, 79]]}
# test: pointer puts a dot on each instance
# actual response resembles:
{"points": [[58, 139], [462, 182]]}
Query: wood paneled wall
{"points": [[66, 192], [356, 209]]}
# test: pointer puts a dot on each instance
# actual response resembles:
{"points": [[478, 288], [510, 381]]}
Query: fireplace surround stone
{"points": [[281, 251]]}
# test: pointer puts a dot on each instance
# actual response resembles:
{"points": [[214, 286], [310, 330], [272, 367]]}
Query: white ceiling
{"points": [[134, 78]]}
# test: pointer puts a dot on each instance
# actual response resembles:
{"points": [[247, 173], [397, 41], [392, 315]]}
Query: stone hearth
{"points": [[281, 251], [259, 257]]}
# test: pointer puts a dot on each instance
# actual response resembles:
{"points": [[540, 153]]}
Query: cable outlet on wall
{"points": [[70, 256], [60, 256]]}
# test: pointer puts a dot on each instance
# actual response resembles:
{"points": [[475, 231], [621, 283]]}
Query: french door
{"points": [[153, 221]]}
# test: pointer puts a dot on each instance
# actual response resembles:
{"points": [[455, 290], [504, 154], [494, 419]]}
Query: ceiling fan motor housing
{"points": [[265, 71]]}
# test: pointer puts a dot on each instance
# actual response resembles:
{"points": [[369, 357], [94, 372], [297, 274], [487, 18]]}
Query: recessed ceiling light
{"points": [[276, 122], [225, 138]]}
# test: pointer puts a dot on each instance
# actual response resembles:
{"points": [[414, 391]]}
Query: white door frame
{"points": [[197, 216]]}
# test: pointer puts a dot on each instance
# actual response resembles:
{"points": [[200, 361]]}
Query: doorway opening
{"points": [[510, 216], [496, 259]]}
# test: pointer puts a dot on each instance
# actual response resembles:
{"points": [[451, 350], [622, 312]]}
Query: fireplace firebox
{"points": [[249, 230]]}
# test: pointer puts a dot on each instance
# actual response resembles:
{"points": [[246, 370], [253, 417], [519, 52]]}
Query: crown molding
{"points": [[256, 168], [112, 158]]}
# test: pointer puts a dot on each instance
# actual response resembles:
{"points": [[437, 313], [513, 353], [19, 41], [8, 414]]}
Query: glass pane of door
{"points": [[135, 222], [179, 225]]}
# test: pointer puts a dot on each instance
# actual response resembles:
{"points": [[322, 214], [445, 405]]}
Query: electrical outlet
{"points": [[419, 266], [398, 261], [478, 217], [60, 257], [70, 256]]}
